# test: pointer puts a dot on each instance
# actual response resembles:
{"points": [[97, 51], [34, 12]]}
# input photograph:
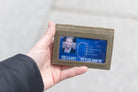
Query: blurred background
{"points": [[23, 22]]}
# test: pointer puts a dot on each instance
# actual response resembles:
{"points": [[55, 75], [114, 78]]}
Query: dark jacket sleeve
{"points": [[20, 74]]}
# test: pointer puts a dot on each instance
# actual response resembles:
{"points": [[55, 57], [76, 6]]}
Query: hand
{"points": [[42, 53]]}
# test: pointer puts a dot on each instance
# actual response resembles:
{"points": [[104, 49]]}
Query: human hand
{"points": [[42, 53]]}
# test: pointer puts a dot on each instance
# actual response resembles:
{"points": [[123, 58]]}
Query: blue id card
{"points": [[82, 49]]}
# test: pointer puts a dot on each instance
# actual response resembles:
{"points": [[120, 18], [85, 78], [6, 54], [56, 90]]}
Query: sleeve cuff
{"points": [[38, 78]]}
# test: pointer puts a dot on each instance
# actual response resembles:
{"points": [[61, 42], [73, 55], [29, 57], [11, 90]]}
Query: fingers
{"points": [[73, 72], [49, 34]]}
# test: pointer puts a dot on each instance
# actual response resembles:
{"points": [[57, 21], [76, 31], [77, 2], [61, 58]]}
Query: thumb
{"points": [[50, 31], [49, 34]]}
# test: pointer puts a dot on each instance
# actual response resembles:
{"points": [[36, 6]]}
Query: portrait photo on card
{"points": [[68, 44]]}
